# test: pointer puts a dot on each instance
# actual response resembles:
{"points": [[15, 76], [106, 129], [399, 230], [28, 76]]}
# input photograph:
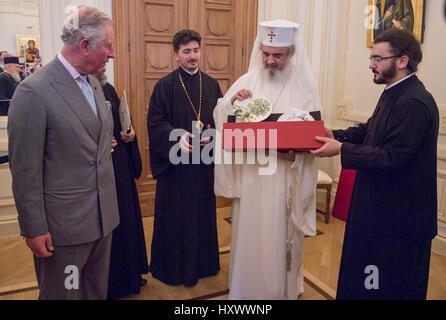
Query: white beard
{"points": [[16, 77], [273, 81]]}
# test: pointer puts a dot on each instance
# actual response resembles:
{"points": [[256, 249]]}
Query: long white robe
{"points": [[268, 211]]}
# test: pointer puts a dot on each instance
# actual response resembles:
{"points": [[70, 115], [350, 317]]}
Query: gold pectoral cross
{"points": [[199, 126]]}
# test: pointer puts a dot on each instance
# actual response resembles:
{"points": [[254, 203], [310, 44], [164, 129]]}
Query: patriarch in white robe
{"points": [[271, 213]]}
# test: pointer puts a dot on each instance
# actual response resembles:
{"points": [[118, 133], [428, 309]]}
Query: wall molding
{"points": [[21, 13], [9, 228], [28, 7], [439, 245], [7, 202], [3, 134], [325, 54], [441, 174], [442, 111], [441, 153], [309, 28], [346, 112]]}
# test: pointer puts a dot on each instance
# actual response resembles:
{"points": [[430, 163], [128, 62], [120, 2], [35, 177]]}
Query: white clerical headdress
{"points": [[278, 33], [287, 34]]}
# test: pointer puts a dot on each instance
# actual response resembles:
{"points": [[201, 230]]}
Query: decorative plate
{"points": [[296, 115], [255, 109]]}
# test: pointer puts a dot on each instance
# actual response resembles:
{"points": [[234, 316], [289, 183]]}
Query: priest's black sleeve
{"points": [[134, 157], [404, 133], [159, 128], [131, 147], [111, 95], [4, 106], [353, 135]]}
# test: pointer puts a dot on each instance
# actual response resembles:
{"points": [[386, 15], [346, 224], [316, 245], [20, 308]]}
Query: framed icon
{"points": [[28, 46], [401, 14]]}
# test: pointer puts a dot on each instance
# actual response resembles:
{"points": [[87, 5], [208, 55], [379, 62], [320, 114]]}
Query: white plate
{"points": [[245, 110], [296, 115]]}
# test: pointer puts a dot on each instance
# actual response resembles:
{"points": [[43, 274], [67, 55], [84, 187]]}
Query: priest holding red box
{"points": [[271, 213], [393, 211]]}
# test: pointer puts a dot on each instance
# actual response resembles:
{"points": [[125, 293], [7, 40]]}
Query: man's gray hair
{"points": [[84, 23]]}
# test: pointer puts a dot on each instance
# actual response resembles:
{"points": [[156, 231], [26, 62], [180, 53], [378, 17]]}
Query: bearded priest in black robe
{"points": [[185, 241], [393, 211], [128, 258], [9, 79]]}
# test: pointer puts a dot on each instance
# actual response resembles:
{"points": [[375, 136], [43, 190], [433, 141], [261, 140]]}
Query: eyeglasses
{"points": [[379, 59]]}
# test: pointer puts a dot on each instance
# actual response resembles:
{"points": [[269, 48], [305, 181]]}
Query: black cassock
{"points": [[393, 212], [185, 241], [7, 89], [128, 259]]}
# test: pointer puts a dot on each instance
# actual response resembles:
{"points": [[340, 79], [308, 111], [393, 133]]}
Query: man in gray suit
{"points": [[60, 134]]}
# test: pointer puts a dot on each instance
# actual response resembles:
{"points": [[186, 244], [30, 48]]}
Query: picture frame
{"points": [[406, 14], [32, 43]]}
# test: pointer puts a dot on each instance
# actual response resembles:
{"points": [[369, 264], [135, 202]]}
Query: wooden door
{"points": [[144, 54]]}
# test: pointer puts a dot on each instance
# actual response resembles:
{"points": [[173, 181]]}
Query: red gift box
{"points": [[298, 136]]}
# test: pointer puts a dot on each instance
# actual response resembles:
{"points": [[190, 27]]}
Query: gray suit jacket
{"points": [[60, 159]]}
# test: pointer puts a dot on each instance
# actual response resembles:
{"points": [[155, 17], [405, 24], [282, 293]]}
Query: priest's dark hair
{"points": [[185, 36], [403, 43]]}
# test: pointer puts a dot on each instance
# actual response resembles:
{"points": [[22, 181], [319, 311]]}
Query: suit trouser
{"points": [[77, 272]]}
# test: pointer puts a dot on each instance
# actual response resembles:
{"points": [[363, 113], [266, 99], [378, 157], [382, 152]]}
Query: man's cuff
{"points": [[340, 136], [347, 155]]}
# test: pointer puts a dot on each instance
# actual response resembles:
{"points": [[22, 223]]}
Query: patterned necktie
{"points": [[88, 93]]}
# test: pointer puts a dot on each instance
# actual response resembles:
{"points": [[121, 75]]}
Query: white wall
{"points": [[358, 78], [17, 17], [44, 18]]}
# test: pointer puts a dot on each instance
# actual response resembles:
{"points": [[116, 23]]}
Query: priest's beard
{"points": [[273, 80], [385, 75], [16, 76], [279, 75]]}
